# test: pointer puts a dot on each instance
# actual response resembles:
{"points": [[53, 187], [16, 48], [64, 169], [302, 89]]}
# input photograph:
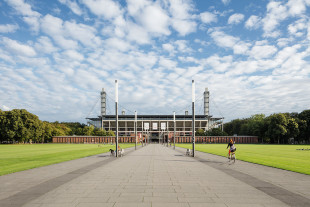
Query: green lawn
{"points": [[14, 158], [278, 156]]}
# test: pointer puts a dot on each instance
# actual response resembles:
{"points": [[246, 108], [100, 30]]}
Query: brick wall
{"points": [[178, 139]]}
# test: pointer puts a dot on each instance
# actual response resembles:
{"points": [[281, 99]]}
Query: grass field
{"points": [[14, 158], [285, 157]]}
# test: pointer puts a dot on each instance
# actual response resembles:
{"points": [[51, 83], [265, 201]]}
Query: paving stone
{"points": [[92, 200], [207, 205], [156, 176], [170, 205], [133, 205], [158, 199], [195, 199], [95, 205], [129, 199]]}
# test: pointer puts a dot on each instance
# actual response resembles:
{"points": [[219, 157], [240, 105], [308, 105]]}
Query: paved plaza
{"points": [[154, 175]]}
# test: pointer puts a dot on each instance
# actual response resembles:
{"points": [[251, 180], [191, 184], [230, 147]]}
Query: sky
{"points": [[57, 55]]}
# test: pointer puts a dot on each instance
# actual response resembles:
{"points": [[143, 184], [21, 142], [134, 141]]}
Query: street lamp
{"points": [[116, 116], [174, 130], [135, 130], [193, 115]]}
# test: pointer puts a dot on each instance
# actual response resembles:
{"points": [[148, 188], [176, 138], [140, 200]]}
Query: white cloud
{"points": [[298, 28], [72, 5], [228, 41], [208, 17], [8, 28], [181, 17], [167, 63], [226, 2], [4, 55], [18, 48], [286, 53], [45, 45], [183, 46], [235, 18], [106, 8], [137, 34], [219, 64], [296, 7], [120, 27], [253, 22], [33, 22], [308, 31], [155, 20], [276, 12], [181, 9], [83, 33], [184, 27], [67, 62], [168, 47], [263, 51], [53, 27], [22, 7], [5, 108], [279, 11], [136, 6], [30, 17], [66, 34], [119, 44], [73, 55], [282, 42]]}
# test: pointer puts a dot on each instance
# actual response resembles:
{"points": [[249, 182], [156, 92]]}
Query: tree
{"points": [[235, 127], [305, 115], [99, 132], [200, 132], [255, 125], [244, 130], [276, 127], [215, 132], [110, 133], [88, 130], [47, 132], [292, 128]]}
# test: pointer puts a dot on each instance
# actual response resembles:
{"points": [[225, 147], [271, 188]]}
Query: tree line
{"points": [[21, 126], [277, 128]]}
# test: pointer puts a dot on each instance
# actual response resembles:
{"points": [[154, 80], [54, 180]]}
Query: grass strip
{"points": [[15, 158], [287, 157]]}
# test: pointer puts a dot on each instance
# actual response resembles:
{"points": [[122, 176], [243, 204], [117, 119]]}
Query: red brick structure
{"points": [[91, 139], [178, 139], [218, 139]]}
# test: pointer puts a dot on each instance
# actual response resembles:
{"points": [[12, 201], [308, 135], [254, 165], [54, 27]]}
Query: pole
{"points": [[135, 130], [116, 115], [167, 133], [174, 130], [193, 115]]}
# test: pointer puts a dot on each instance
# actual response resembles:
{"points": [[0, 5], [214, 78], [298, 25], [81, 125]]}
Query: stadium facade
{"points": [[154, 126]]}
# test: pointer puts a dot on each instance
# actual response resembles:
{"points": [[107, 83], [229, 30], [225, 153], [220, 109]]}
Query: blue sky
{"points": [[56, 56]]}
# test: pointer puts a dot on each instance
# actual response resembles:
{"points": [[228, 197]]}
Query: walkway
{"points": [[154, 176]]}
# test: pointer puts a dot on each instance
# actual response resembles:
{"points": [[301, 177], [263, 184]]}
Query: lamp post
{"points": [[135, 130], [116, 116], [174, 130], [193, 115]]}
